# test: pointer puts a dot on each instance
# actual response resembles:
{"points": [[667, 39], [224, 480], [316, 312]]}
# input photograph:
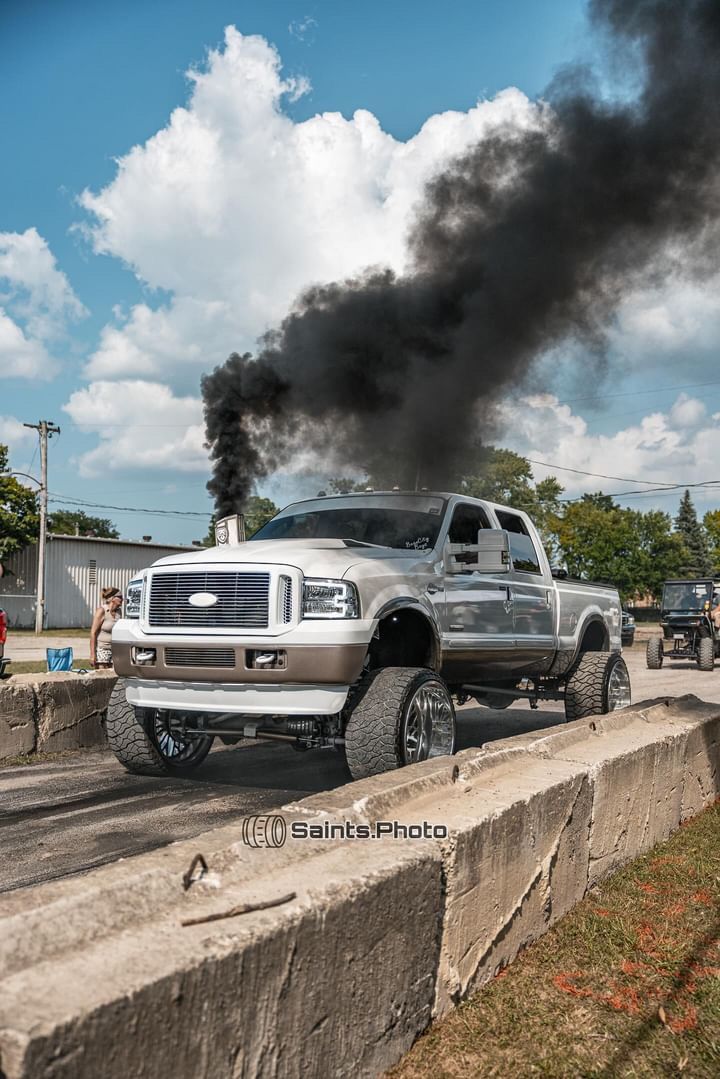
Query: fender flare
{"points": [[409, 603], [593, 618]]}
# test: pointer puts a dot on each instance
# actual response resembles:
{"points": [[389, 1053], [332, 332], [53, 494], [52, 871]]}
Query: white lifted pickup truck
{"points": [[355, 622]]}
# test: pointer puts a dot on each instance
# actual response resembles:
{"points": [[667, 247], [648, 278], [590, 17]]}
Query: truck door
{"points": [[477, 625], [534, 599]]}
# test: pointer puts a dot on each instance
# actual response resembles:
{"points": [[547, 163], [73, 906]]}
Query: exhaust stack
{"points": [[230, 531]]}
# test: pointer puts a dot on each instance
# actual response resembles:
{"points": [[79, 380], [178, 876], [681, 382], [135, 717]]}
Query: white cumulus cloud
{"points": [[678, 446], [14, 434], [234, 208], [654, 325], [141, 426], [22, 356], [36, 305]]}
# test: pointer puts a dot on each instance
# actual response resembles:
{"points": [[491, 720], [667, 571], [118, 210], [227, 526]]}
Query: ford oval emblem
{"points": [[202, 599]]}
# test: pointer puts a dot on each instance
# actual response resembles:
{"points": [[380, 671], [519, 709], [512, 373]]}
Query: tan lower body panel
{"points": [[337, 664]]}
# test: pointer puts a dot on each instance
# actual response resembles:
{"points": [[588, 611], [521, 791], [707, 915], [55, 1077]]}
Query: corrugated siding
{"points": [[17, 588], [76, 571]]}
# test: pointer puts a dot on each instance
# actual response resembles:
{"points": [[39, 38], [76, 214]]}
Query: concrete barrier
{"points": [[50, 712], [102, 979]]}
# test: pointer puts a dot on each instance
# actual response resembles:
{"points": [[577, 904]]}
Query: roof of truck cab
{"points": [[404, 494], [407, 494], [359, 494]]}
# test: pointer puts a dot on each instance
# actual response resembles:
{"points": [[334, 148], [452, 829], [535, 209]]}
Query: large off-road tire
{"points": [[600, 683], [706, 654], [140, 740], [399, 715], [654, 653]]}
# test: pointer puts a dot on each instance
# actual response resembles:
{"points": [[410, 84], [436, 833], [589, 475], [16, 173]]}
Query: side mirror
{"points": [[491, 553], [559, 573], [230, 531]]}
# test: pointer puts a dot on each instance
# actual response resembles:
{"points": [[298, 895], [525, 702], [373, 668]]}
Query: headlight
{"points": [[329, 599], [133, 598]]}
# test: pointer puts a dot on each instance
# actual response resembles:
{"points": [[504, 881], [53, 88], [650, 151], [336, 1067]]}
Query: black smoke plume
{"points": [[530, 239]]}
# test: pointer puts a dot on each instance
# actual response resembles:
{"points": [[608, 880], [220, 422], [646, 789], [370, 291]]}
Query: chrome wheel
{"points": [[618, 691], [429, 727], [174, 746]]}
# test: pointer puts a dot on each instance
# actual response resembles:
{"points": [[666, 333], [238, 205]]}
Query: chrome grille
{"points": [[286, 604], [199, 657], [242, 600]]}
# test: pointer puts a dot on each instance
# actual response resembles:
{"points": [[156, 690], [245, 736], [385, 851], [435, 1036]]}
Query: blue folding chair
{"points": [[59, 659]]}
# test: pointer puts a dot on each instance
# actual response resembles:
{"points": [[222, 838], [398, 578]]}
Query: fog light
{"points": [[263, 660], [143, 657]]}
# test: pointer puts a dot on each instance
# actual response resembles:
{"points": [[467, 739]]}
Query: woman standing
{"points": [[103, 621]]}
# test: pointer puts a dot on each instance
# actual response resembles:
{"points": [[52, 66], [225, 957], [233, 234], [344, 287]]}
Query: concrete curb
{"points": [[52, 712], [100, 978]]}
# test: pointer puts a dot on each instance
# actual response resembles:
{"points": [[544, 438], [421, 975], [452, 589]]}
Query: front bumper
{"points": [[330, 664], [231, 698]]}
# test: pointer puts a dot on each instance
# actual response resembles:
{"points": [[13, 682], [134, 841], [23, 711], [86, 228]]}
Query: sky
{"points": [[175, 173]]}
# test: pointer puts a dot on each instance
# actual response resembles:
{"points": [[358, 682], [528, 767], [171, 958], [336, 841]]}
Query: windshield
{"points": [[409, 523], [686, 595]]}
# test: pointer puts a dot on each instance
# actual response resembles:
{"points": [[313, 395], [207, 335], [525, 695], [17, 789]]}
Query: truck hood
{"points": [[313, 557]]}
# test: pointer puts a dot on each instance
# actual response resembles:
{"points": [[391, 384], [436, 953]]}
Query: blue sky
{"points": [[165, 269]]}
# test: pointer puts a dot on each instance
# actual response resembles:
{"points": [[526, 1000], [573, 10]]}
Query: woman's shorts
{"points": [[103, 655]]}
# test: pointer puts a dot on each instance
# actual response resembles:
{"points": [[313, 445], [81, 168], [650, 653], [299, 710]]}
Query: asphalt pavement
{"points": [[71, 814]]}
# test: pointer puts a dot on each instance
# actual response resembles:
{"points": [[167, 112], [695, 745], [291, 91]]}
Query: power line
{"points": [[99, 426], [597, 475], [67, 501], [710, 485], [638, 393]]}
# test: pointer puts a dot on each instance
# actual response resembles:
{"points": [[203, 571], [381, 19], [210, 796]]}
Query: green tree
{"points": [[661, 552], [601, 545], [698, 562], [711, 521], [602, 501], [19, 520], [634, 551], [71, 523], [500, 476], [258, 512]]}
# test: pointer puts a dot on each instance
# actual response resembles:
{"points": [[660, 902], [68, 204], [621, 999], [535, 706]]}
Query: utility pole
{"points": [[45, 428]]}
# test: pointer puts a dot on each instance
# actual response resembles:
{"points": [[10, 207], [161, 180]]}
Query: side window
{"points": [[466, 522], [522, 548]]}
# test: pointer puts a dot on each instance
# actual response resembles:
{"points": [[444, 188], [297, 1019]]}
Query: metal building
{"points": [[77, 568]]}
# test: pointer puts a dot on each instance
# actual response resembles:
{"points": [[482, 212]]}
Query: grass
{"points": [[628, 984], [39, 666], [27, 759]]}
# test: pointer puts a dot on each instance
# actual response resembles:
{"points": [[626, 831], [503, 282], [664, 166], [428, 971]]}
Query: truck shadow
{"points": [[268, 766]]}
